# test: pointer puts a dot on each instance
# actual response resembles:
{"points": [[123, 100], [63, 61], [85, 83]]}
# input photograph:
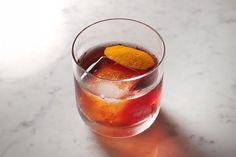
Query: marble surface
{"points": [[38, 115]]}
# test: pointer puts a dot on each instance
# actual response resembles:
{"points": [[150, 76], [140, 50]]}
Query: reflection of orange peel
{"points": [[130, 57]]}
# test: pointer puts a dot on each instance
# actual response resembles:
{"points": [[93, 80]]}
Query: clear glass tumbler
{"points": [[107, 110]]}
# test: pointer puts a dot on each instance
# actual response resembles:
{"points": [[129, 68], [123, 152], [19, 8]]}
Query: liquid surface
{"points": [[103, 54]]}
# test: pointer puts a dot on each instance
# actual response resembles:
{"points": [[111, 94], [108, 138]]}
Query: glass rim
{"points": [[123, 80]]}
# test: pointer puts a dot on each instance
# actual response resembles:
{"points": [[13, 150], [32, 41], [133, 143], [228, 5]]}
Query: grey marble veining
{"points": [[38, 115]]}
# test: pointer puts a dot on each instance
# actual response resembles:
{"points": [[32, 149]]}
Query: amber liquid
{"points": [[136, 101]]}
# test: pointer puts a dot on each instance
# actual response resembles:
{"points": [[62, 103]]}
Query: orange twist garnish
{"points": [[130, 57]]}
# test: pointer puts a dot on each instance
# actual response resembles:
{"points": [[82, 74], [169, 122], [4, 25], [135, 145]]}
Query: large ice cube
{"points": [[109, 84]]}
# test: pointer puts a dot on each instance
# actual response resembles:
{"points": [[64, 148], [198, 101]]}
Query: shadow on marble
{"points": [[162, 139]]}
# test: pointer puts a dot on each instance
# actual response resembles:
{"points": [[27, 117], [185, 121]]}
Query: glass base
{"points": [[120, 132]]}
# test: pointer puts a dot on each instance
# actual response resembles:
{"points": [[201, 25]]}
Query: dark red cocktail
{"points": [[118, 87]]}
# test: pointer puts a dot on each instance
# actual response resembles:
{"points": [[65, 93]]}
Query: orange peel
{"points": [[130, 57]]}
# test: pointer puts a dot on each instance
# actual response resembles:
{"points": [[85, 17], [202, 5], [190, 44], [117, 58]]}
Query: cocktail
{"points": [[118, 71]]}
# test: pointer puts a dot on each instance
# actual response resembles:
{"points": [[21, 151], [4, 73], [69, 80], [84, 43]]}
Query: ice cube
{"points": [[109, 83]]}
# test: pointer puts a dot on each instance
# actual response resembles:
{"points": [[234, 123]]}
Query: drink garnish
{"points": [[130, 57]]}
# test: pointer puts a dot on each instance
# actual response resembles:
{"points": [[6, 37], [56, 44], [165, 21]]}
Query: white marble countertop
{"points": [[38, 115]]}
